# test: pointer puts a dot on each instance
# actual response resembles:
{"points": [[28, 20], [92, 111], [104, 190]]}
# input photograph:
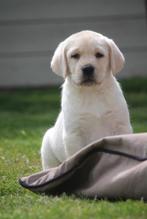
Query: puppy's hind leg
{"points": [[47, 155]]}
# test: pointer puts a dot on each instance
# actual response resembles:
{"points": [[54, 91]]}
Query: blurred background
{"points": [[31, 30]]}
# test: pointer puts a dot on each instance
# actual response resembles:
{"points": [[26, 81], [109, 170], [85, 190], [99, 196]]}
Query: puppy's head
{"points": [[87, 58]]}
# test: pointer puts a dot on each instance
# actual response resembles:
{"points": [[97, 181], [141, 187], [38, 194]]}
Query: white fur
{"points": [[89, 111]]}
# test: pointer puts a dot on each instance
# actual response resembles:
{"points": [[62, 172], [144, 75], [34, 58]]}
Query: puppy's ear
{"points": [[117, 59], [59, 61]]}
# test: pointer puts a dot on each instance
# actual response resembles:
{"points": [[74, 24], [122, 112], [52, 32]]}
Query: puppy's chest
{"points": [[93, 119], [93, 126], [96, 119], [98, 116], [92, 111], [95, 108]]}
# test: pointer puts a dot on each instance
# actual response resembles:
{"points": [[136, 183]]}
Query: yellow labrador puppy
{"points": [[93, 105]]}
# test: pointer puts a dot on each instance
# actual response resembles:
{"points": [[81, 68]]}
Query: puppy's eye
{"points": [[99, 55], [75, 56]]}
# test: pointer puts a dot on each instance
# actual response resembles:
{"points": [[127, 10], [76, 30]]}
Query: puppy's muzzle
{"points": [[88, 71], [88, 74]]}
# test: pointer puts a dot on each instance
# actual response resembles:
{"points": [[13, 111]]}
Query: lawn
{"points": [[24, 116]]}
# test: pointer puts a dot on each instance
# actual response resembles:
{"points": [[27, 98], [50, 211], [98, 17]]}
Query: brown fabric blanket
{"points": [[112, 168]]}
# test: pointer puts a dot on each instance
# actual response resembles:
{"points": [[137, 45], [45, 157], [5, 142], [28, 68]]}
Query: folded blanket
{"points": [[112, 168]]}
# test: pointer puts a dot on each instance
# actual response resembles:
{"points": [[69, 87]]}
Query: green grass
{"points": [[24, 117]]}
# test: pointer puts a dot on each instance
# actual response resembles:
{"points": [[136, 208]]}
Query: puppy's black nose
{"points": [[88, 70]]}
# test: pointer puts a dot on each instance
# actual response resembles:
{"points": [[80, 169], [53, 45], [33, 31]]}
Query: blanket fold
{"points": [[112, 168]]}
